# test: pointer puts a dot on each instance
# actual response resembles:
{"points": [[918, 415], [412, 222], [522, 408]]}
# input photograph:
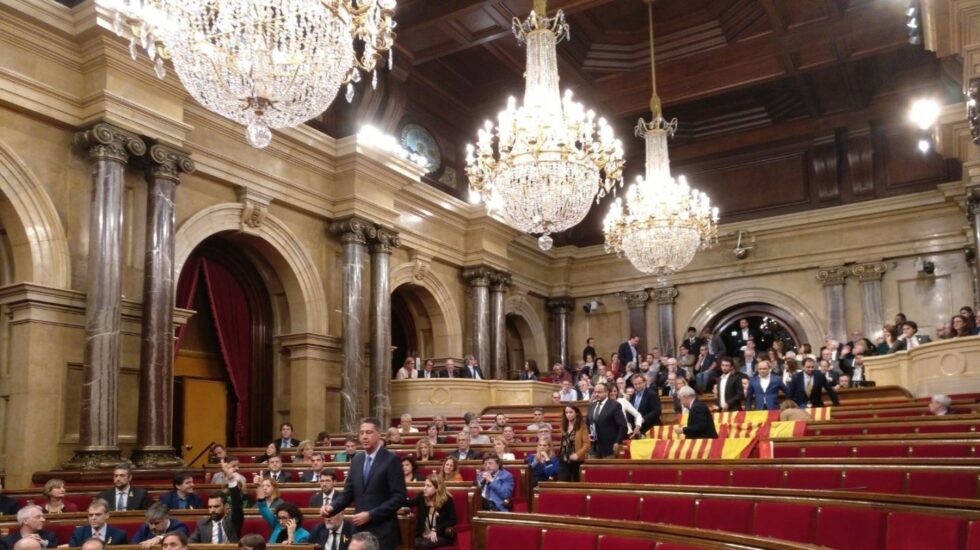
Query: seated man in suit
{"points": [[451, 371], [158, 523], [124, 496], [333, 534], [327, 492], [316, 469], [805, 387], [182, 497], [98, 527], [220, 527], [910, 338], [764, 389], [606, 423], [700, 424], [463, 450], [30, 520], [496, 484], [275, 471], [8, 506], [286, 439], [940, 405], [472, 369]]}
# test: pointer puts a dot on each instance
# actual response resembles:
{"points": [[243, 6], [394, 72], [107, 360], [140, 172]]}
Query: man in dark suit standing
{"points": [[764, 389], [745, 334], [472, 370], [806, 387], [630, 351], [731, 395], [98, 527], [219, 527], [647, 402], [700, 425], [376, 486], [125, 496], [607, 425]]}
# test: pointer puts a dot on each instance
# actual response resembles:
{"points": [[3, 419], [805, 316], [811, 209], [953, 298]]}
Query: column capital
{"points": [[478, 276], [635, 299], [384, 240], [500, 281], [869, 272], [830, 276], [664, 295], [560, 305], [106, 142], [973, 203], [353, 230], [167, 163]]}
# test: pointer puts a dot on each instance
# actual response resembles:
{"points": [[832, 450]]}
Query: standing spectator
{"points": [[589, 349], [807, 386], [731, 397], [764, 389], [575, 444], [647, 402], [629, 351], [530, 372]]}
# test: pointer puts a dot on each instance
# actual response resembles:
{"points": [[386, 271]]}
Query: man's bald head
{"points": [[93, 544], [28, 543]]}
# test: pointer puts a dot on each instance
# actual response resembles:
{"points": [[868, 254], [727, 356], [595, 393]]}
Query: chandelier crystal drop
{"points": [[543, 164], [262, 63], [664, 222]]}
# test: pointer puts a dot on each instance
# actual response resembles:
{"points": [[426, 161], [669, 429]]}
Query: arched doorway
{"points": [[515, 346], [223, 367], [411, 325], [768, 322]]}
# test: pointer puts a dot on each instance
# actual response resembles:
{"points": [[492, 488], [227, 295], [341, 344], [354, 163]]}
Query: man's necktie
{"points": [[367, 467], [809, 385], [216, 534], [120, 502], [636, 400]]}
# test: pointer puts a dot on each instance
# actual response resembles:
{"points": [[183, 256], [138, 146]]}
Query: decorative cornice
{"points": [[353, 230], [664, 295], [830, 276], [635, 299], [478, 276], [167, 163], [420, 265], [255, 206], [869, 272], [384, 240], [560, 305], [107, 142]]}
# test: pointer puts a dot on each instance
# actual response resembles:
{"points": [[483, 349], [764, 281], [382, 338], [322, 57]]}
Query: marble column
{"points": [[154, 446], [636, 302], [479, 280], [498, 325], [109, 149], [832, 279], [354, 234], [380, 247], [664, 297], [872, 308], [560, 308], [973, 207]]}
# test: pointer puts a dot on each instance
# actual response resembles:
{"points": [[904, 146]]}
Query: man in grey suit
{"points": [[218, 527], [910, 338], [376, 486]]}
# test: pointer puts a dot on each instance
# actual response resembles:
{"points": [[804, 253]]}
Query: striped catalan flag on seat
{"points": [[692, 449]]}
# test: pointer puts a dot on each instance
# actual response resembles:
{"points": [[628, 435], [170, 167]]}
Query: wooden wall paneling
{"points": [[859, 169], [824, 169]]}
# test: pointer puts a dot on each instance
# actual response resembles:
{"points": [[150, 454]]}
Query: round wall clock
{"points": [[417, 139]]}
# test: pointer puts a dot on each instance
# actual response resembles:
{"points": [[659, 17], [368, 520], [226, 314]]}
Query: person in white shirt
{"points": [[628, 411], [939, 405], [408, 370], [583, 389], [405, 424]]}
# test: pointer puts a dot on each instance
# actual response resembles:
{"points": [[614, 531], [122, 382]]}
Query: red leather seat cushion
{"points": [[780, 520], [561, 504], [874, 481], [625, 507], [943, 484], [833, 529], [733, 516], [568, 540], [508, 537], [713, 478], [620, 543], [655, 476], [826, 480], [757, 477], [910, 531], [671, 510], [605, 475]]}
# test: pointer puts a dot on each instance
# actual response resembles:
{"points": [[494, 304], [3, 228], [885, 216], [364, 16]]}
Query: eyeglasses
{"points": [[283, 518]]}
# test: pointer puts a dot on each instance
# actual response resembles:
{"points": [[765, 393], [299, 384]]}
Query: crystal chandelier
{"points": [[262, 63], [665, 222], [546, 160]]}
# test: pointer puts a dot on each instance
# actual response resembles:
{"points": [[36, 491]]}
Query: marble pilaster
{"points": [[499, 283], [354, 233], [872, 307], [560, 309], [154, 447], [973, 208], [109, 149], [380, 247], [832, 279], [479, 280], [664, 297], [636, 303]]}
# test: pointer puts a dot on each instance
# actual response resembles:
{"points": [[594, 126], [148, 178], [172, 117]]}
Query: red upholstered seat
{"points": [[508, 537], [972, 535], [833, 530], [469, 473], [941, 451], [883, 451], [655, 476], [780, 520], [620, 543], [462, 505], [733, 516], [614, 506], [785, 451], [561, 504], [605, 475], [672, 510], [252, 526], [713, 478], [675, 546], [874, 481], [568, 540], [827, 451], [299, 498], [757, 478], [909, 531], [62, 531], [826, 480], [943, 484], [835, 432]]}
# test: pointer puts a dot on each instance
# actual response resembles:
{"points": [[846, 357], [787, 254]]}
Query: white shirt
{"points": [[764, 383], [721, 388]]}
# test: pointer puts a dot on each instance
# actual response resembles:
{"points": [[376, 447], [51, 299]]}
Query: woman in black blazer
{"points": [[435, 520]]}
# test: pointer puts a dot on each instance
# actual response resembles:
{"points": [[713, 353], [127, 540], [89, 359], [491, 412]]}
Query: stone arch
{"points": [[278, 247], [38, 240], [532, 333], [439, 305], [805, 316]]}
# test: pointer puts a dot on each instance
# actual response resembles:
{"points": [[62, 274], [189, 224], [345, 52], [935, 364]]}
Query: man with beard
{"points": [[219, 527]]}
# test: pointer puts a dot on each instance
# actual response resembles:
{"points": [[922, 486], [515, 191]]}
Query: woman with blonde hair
{"points": [[450, 469], [436, 517], [268, 489], [503, 451], [54, 495], [304, 452], [423, 449]]}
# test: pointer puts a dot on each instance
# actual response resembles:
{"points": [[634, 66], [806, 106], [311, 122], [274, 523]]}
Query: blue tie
{"points": [[636, 400], [367, 467]]}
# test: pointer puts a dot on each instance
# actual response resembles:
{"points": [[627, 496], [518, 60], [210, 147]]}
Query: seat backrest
{"points": [[562, 504], [781, 520], [655, 476], [622, 543], [911, 531], [510, 537], [605, 475], [568, 540], [829, 479], [874, 481], [699, 476], [604, 506], [667, 509], [943, 484], [833, 533], [757, 477]]}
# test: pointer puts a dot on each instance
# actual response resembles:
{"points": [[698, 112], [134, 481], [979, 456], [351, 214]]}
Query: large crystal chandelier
{"points": [[262, 63], [546, 160], [664, 222]]}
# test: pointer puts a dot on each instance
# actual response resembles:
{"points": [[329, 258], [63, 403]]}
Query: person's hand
{"points": [[573, 457], [150, 543], [724, 406], [291, 527], [636, 434], [360, 518], [257, 478], [487, 477], [432, 536], [678, 430], [326, 510]]}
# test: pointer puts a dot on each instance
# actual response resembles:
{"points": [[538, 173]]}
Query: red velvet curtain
{"points": [[233, 323]]}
